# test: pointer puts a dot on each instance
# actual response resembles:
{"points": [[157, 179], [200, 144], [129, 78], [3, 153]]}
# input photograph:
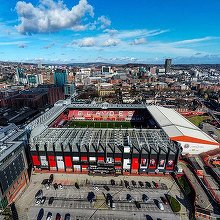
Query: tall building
{"points": [[13, 163], [167, 65], [60, 77], [106, 69]]}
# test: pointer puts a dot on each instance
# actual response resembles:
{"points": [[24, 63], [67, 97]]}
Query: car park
{"points": [[67, 217], [49, 216], [50, 201], [58, 216]]}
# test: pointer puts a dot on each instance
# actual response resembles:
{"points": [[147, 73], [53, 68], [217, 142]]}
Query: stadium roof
{"points": [[94, 138], [179, 128]]}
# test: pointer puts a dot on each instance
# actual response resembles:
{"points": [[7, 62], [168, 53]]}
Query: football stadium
{"points": [[113, 139]]}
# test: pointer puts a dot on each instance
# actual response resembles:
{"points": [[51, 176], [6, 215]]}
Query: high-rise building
{"points": [[106, 69], [167, 65], [60, 77]]}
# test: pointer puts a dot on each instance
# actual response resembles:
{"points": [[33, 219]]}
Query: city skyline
{"points": [[50, 31]]}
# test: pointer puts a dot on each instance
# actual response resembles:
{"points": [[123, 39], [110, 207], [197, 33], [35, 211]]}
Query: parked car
{"points": [[55, 185], [50, 180], [43, 199], [145, 198], [38, 200], [96, 188], [47, 185], [148, 185], [40, 214], [112, 182], [141, 184], [45, 181], [67, 216], [39, 194], [60, 186], [77, 185], [164, 200], [137, 204], [129, 198], [91, 197], [106, 187], [49, 216], [126, 183], [58, 216], [50, 201], [160, 206], [133, 183], [112, 203]]}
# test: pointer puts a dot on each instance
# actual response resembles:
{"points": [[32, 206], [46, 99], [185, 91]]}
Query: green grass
{"points": [[197, 120], [98, 124], [174, 204], [183, 183]]}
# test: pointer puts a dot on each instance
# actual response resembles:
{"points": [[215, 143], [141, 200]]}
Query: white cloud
{"points": [[86, 42], [193, 41], [51, 16], [110, 42], [104, 21], [138, 41]]}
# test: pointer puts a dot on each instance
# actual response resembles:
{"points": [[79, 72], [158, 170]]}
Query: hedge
{"points": [[174, 204]]}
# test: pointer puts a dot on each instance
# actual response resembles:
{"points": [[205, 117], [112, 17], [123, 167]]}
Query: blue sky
{"points": [[114, 31]]}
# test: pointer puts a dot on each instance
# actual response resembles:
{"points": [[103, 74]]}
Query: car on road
{"points": [[43, 199], [160, 206], [50, 201], [129, 198], [39, 194], [49, 216], [164, 200], [40, 214], [67, 217], [145, 198], [58, 216]]}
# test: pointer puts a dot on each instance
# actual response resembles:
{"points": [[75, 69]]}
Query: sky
{"points": [[111, 31]]}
